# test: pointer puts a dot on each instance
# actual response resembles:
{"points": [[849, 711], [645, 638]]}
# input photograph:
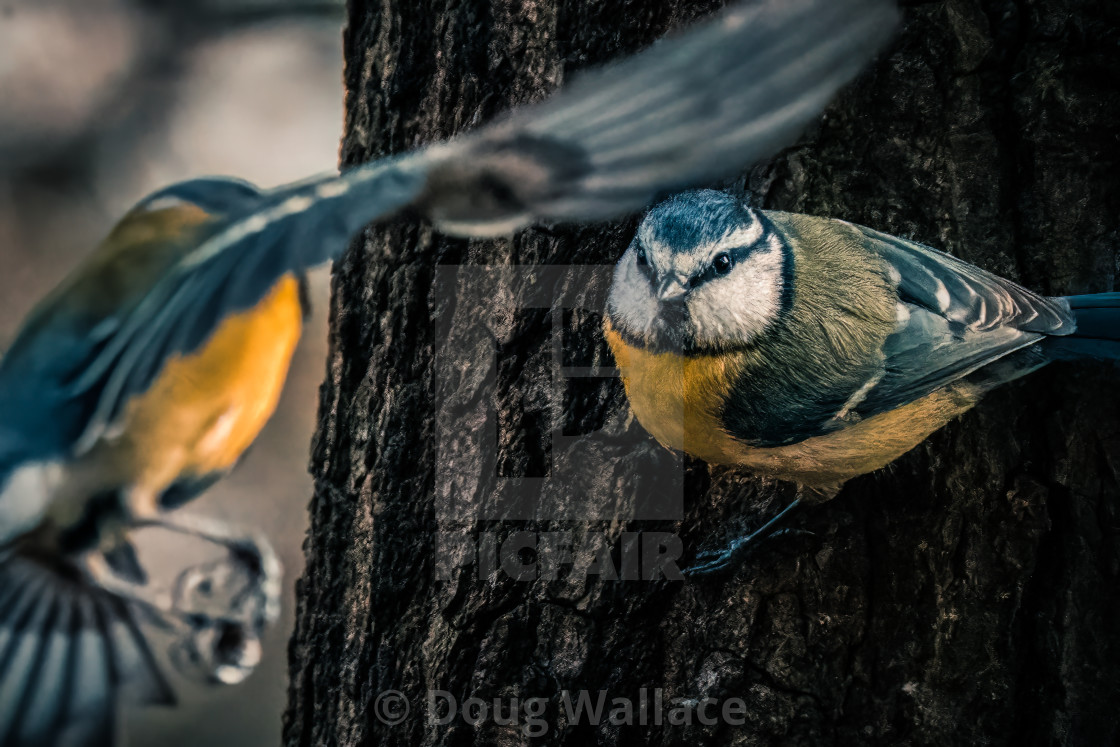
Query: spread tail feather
{"points": [[69, 655], [1098, 328]]}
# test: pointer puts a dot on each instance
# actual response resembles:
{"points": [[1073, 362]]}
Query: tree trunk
{"points": [[966, 594]]}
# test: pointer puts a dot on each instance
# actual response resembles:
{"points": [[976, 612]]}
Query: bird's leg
{"points": [[248, 590], [252, 586], [713, 561], [218, 609], [158, 608]]}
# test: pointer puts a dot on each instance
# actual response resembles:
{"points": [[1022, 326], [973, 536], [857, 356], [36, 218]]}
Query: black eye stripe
{"points": [[720, 264], [735, 255], [739, 253]]}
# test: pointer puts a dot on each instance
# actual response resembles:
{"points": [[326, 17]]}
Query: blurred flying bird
{"points": [[146, 375], [815, 350]]}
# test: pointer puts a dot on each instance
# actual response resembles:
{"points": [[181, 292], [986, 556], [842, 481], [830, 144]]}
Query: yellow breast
{"points": [[827, 462], [678, 400], [206, 408]]}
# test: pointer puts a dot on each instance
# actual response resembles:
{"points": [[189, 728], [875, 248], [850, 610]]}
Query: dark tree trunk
{"points": [[967, 594]]}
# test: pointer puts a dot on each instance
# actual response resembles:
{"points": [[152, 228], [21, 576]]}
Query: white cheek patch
{"points": [[654, 249], [631, 302], [737, 308], [646, 238]]}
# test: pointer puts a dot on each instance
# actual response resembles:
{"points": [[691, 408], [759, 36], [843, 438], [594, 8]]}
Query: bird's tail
{"points": [[70, 654], [1098, 328]]}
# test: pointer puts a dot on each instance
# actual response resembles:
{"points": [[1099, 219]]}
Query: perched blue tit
{"points": [[816, 350], [147, 374]]}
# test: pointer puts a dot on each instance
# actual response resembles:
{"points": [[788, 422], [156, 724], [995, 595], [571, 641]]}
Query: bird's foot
{"points": [[218, 650], [230, 602], [217, 610], [714, 562], [245, 585]]}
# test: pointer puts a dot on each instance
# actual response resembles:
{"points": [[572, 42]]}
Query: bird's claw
{"points": [[711, 563], [230, 602], [715, 562], [219, 650]]}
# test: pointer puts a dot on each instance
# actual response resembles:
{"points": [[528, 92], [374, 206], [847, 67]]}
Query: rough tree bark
{"points": [[966, 594]]}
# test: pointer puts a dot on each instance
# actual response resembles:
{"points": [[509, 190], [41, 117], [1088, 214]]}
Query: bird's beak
{"points": [[672, 289]]}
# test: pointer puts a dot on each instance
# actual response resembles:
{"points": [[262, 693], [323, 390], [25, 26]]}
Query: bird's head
{"points": [[704, 274]]}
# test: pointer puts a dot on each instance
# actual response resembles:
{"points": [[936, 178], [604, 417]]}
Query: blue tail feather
{"points": [[69, 653], [1098, 328]]}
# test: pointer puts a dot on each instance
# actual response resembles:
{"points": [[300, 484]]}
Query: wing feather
{"points": [[46, 697], [25, 640], [289, 230], [965, 294], [956, 319], [90, 715], [691, 109]]}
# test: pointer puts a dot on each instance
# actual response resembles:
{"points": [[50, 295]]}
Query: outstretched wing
{"points": [[70, 654], [688, 110], [240, 260], [954, 320], [41, 414], [692, 108]]}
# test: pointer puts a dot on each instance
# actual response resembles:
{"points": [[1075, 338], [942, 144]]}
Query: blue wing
{"points": [[693, 108], [231, 269], [41, 414], [955, 319]]}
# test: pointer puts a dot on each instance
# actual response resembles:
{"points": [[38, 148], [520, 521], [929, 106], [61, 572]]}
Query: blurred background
{"points": [[103, 101]]}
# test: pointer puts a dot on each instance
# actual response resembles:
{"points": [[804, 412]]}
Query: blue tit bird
{"points": [[70, 580], [147, 374], [815, 350]]}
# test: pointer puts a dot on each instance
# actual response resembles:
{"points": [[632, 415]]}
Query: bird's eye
{"points": [[722, 263], [641, 257]]}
